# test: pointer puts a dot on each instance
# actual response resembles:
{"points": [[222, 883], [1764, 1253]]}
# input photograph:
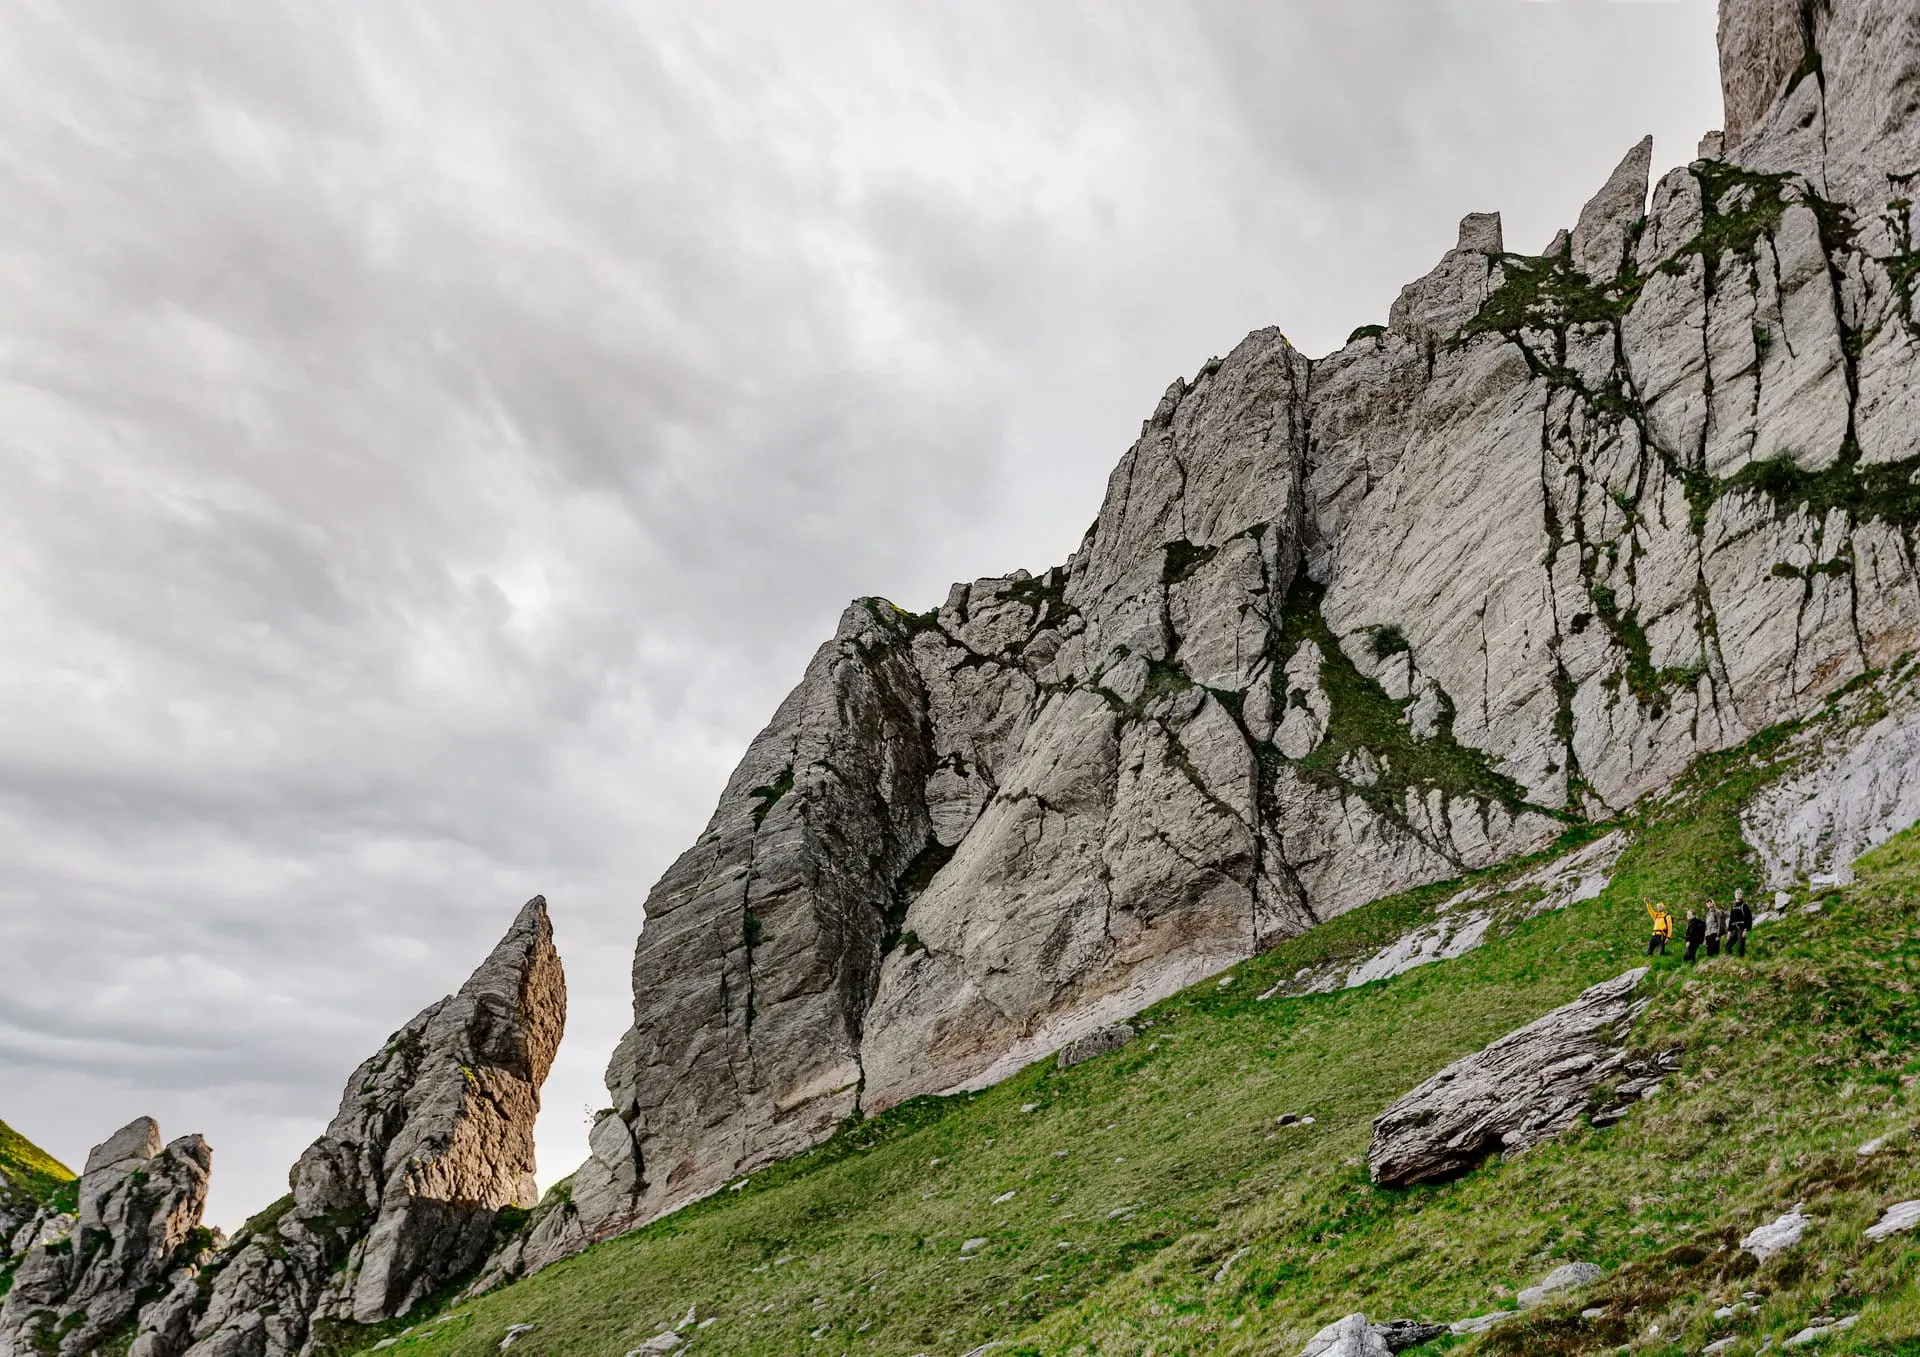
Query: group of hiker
{"points": [[1719, 928]]}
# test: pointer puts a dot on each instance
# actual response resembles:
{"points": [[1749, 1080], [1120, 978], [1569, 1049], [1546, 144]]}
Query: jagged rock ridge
{"points": [[401, 1195], [136, 1220], [1342, 626]]}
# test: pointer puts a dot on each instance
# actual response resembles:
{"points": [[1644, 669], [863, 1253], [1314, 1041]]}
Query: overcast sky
{"points": [[434, 436]]}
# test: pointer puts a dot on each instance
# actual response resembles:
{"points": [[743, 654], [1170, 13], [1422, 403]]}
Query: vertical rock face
{"points": [[433, 1138], [1342, 626], [1762, 44], [138, 1219]]}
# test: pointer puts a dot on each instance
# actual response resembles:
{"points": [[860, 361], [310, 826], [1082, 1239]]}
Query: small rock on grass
{"points": [[1569, 1277], [1813, 1333], [1777, 1236], [1898, 1219], [513, 1335], [1227, 1266], [1480, 1323]]}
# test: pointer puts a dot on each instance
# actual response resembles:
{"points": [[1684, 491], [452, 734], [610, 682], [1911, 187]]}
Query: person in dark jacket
{"points": [[1696, 934], [1739, 924]]}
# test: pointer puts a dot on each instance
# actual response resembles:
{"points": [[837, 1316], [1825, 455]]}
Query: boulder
{"points": [[1348, 1337], [1524, 1088], [1401, 1334], [81, 1280], [1777, 1235], [433, 1138], [1567, 1277], [1353, 1336], [1094, 1044]]}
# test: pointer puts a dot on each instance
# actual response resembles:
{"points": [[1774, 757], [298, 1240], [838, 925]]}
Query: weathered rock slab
{"points": [[1524, 1088]]}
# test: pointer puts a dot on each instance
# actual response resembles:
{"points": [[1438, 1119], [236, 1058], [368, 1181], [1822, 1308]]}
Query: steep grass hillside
{"points": [[29, 1178], [1147, 1202], [27, 1169]]}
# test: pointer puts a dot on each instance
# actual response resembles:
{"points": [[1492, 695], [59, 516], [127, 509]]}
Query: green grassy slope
{"points": [[27, 1169], [29, 1176], [1146, 1202]]}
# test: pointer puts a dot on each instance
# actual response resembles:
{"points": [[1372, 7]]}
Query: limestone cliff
{"points": [[136, 1220], [1342, 626], [401, 1196]]}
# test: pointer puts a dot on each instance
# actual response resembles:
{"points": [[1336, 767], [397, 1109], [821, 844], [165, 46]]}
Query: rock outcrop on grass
{"points": [[1524, 1088], [1342, 626], [1567, 1277], [1353, 1336], [403, 1194], [1094, 1044], [138, 1219]]}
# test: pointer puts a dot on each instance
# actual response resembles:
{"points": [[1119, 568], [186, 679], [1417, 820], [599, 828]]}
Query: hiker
{"points": [[1716, 927], [1739, 924], [1696, 934], [1662, 928]]}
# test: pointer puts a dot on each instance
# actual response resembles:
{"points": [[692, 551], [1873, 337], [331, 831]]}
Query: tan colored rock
{"points": [[433, 1138]]}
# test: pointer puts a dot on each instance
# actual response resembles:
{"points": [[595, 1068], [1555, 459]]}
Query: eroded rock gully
{"points": [[1342, 626]]}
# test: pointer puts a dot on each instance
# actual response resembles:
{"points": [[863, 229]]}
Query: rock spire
{"points": [[434, 1137]]}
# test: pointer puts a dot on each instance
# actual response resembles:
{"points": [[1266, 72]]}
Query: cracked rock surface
{"points": [[1524, 1088], [433, 1138], [1343, 626], [80, 1281]]}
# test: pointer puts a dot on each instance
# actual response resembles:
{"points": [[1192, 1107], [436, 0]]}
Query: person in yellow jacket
{"points": [[1662, 928]]}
